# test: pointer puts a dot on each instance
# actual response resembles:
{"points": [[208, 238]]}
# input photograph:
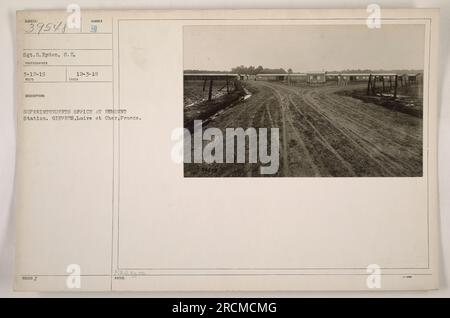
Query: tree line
{"points": [[245, 70], [252, 70]]}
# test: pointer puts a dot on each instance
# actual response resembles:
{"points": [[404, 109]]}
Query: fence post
{"points": [[395, 86], [369, 82], [374, 85], [210, 90]]}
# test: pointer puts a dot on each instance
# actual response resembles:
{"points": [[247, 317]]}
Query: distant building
{"points": [[316, 77], [415, 79], [272, 77], [341, 78], [209, 76], [296, 78], [358, 77], [331, 77]]}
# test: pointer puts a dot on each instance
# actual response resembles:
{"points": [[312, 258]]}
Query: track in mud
{"points": [[322, 134]]}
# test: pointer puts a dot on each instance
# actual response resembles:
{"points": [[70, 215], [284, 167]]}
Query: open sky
{"points": [[305, 48]]}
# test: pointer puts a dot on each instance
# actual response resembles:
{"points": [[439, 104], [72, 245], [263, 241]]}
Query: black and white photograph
{"points": [[303, 100]]}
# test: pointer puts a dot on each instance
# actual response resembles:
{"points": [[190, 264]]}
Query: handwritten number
{"points": [[40, 27]]}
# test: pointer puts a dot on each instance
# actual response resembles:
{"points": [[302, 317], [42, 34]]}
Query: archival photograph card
{"points": [[226, 150]]}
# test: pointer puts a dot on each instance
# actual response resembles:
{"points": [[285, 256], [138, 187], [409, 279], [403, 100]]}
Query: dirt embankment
{"points": [[205, 110], [404, 103]]}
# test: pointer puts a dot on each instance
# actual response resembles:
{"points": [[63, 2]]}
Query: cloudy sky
{"points": [[304, 48]]}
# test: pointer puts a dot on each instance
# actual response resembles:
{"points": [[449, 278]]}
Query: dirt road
{"points": [[323, 134]]}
